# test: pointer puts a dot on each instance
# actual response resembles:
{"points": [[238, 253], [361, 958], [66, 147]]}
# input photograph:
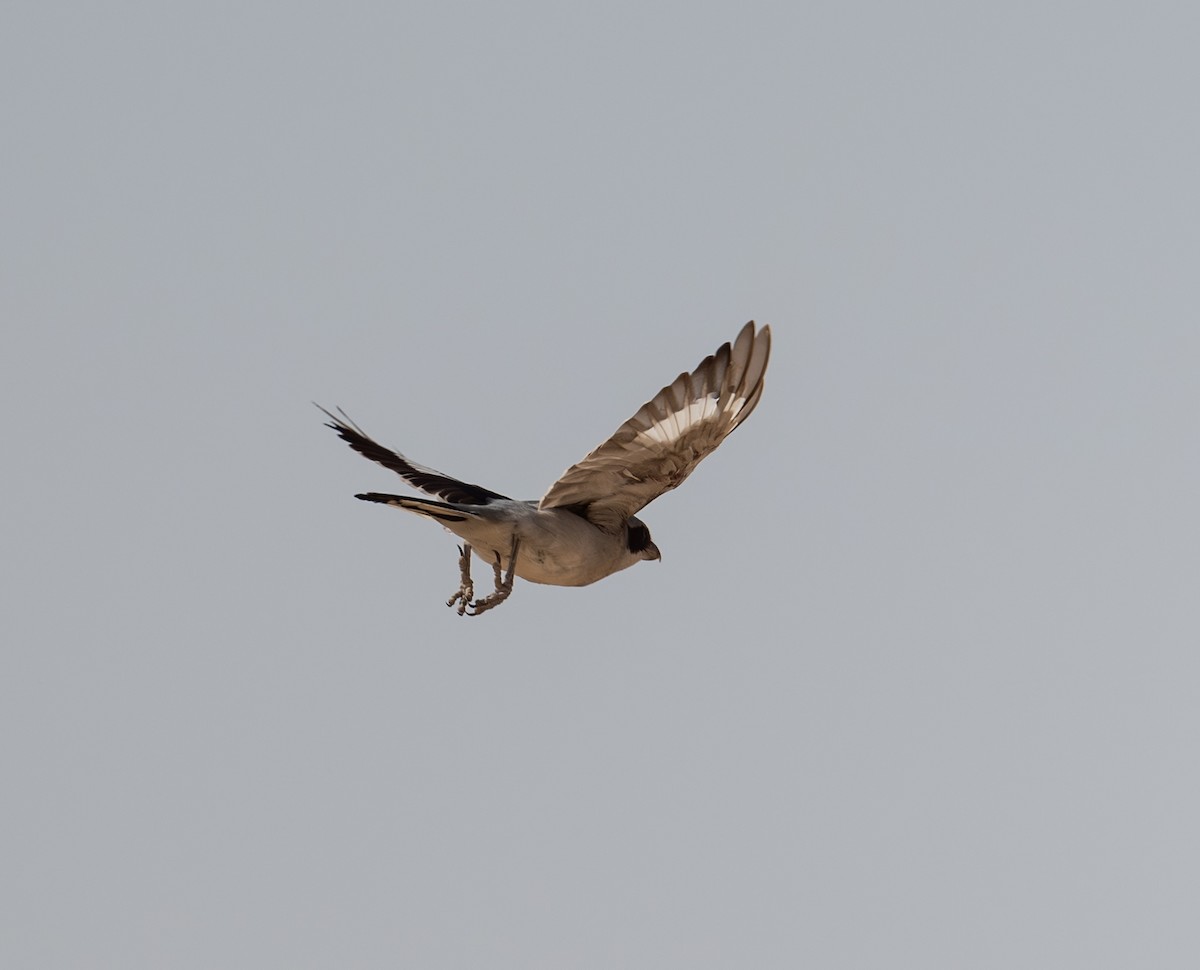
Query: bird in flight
{"points": [[585, 527]]}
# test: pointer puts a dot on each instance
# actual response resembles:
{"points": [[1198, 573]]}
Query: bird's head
{"points": [[640, 543]]}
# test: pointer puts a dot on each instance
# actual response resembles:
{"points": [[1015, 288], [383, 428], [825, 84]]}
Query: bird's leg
{"points": [[466, 589], [503, 585]]}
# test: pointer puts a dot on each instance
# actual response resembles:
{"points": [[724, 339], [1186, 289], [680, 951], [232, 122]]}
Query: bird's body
{"points": [[557, 547], [585, 527]]}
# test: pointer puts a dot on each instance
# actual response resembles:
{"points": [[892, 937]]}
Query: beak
{"points": [[651, 551]]}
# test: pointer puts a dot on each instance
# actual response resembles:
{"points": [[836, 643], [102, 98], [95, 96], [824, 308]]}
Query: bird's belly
{"points": [[540, 565], [541, 559]]}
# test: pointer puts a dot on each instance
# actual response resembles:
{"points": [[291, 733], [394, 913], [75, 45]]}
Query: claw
{"points": [[466, 588], [504, 583]]}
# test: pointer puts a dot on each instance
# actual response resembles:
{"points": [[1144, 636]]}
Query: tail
{"points": [[441, 511]]}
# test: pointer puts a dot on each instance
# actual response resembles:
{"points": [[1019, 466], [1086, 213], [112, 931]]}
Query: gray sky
{"points": [[916, 682]]}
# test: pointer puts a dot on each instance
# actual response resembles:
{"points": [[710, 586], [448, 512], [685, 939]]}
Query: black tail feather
{"points": [[435, 510]]}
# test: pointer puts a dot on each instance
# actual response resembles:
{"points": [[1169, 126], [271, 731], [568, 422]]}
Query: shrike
{"points": [[585, 527]]}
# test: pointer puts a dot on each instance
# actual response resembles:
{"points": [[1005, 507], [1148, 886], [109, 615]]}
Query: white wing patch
{"points": [[675, 425]]}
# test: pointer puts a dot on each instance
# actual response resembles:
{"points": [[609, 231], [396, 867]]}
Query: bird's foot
{"points": [[504, 583], [466, 588]]}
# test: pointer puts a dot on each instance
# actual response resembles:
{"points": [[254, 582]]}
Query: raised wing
{"points": [[658, 447], [426, 479]]}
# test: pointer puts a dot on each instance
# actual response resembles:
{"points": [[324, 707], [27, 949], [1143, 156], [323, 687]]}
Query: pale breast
{"points": [[559, 548]]}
